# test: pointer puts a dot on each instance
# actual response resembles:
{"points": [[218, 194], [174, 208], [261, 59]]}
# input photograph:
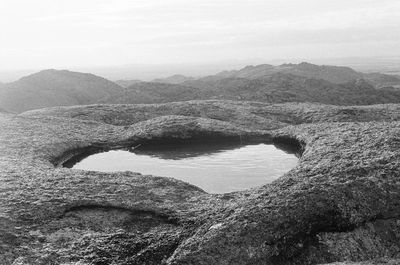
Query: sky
{"points": [[84, 33]]}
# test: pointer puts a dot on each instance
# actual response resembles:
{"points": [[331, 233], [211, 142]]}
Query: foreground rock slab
{"points": [[341, 203]]}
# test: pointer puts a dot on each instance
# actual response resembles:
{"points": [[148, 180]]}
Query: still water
{"points": [[216, 168]]}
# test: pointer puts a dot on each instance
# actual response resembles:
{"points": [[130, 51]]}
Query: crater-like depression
{"points": [[215, 167]]}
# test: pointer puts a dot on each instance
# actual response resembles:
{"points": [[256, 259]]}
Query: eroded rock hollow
{"points": [[340, 203]]}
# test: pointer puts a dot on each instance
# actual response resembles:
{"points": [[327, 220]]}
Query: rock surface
{"points": [[340, 204]]}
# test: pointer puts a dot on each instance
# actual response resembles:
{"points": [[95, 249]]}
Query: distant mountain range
{"points": [[174, 79], [153, 92], [333, 74], [383, 80], [302, 82], [127, 83], [281, 87]]}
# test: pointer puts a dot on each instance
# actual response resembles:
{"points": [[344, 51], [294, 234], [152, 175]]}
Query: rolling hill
{"points": [[55, 88]]}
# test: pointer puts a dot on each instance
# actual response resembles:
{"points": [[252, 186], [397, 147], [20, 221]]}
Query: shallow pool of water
{"points": [[216, 168]]}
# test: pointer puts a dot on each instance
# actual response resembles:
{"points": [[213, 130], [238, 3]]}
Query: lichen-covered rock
{"points": [[370, 262], [341, 203]]}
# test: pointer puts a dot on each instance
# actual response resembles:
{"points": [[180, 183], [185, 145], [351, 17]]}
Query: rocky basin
{"points": [[340, 204]]}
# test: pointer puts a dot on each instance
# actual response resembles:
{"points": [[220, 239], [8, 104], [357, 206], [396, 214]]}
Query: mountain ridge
{"points": [[333, 74], [302, 82]]}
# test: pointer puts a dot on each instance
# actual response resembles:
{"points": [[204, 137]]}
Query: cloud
{"points": [[191, 29]]}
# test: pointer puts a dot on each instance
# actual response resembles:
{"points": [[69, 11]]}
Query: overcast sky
{"points": [[63, 33]]}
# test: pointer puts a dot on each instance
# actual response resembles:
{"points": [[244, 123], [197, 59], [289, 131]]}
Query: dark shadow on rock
{"points": [[289, 145]]}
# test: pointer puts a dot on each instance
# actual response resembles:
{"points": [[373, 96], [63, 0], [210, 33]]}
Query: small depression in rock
{"points": [[216, 167]]}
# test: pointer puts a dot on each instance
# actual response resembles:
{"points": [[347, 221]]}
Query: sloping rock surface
{"points": [[341, 203]]}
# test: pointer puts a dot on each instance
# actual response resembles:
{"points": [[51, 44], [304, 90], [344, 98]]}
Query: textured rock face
{"points": [[373, 262], [341, 203]]}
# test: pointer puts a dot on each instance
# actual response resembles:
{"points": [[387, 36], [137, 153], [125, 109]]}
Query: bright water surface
{"points": [[214, 168]]}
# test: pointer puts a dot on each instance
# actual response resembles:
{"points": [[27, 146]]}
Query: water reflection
{"points": [[182, 151], [216, 168]]}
